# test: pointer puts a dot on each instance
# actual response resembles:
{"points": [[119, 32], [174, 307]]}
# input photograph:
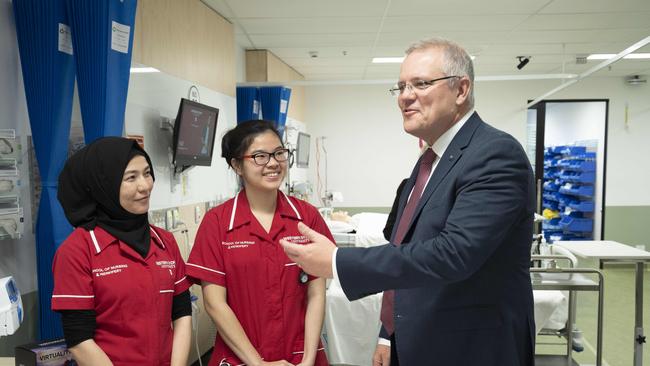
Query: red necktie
{"points": [[426, 163]]}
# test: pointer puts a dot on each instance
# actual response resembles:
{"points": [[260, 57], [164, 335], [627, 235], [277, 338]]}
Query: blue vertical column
{"points": [[248, 103], [47, 65], [102, 34], [275, 105]]}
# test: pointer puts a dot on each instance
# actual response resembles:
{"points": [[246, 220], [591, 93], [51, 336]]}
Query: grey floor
{"points": [[618, 330]]}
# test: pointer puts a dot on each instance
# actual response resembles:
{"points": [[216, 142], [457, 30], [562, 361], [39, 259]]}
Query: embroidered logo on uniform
{"points": [[297, 239], [109, 270], [237, 244], [166, 264]]}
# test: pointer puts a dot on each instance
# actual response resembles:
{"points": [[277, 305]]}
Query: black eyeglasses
{"points": [[399, 88], [263, 158]]}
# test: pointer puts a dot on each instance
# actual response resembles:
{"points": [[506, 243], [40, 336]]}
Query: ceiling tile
{"points": [[459, 7], [553, 32], [312, 40], [310, 25], [589, 21], [428, 26], [306, 8], [603, 6]]}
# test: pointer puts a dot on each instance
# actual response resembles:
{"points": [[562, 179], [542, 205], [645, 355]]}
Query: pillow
{"points": [[339, 226], [370, 222]]}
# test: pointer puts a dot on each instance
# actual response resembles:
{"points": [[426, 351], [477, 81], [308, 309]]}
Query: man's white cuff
{"points": [[335, 273]]}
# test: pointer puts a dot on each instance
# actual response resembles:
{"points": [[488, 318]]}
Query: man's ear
{"points": [[463, 90]]}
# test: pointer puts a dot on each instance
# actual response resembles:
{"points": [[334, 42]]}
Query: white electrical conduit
{"points": [[602, 65]]}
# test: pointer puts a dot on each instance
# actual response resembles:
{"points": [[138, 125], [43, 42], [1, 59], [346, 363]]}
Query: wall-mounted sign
{"points": [[193, 94]]}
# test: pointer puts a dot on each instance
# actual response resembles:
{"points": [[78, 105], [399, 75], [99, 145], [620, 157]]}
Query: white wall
{"points": [[240, 63], [157, 94], [369, 153]]}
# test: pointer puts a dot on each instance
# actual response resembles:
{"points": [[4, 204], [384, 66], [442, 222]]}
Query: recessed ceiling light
{"points": [[143, 70], [607, 56], [387, 60], [395, 60]]}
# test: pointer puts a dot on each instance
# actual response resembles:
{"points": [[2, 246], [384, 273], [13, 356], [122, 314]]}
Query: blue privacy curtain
{"points": [[248, 103], [102, 35], [275, 104], [48, 74]]}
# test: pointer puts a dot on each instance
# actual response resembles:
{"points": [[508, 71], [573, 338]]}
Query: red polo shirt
{"points": [[131, 296], [264, 291]]}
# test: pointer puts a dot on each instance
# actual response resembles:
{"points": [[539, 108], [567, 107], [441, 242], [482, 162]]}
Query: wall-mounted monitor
{"points": [[302, 150], [194, 131]]}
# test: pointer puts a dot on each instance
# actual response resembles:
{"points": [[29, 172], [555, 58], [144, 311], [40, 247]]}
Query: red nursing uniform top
{"points": [[131, 296], [263, 285]]}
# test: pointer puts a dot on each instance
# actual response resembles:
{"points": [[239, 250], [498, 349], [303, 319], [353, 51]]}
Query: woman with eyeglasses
{"points": [[266, 310]]}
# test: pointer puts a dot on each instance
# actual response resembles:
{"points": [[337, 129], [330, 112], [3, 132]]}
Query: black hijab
{"points": [[89, 191]]}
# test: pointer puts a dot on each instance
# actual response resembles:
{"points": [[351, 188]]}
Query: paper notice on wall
{"points": [[283, 106], [65, 39], [120, 34]]}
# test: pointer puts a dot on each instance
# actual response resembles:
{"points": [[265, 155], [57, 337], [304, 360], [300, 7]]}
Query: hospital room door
{"points": [[567, 146]]}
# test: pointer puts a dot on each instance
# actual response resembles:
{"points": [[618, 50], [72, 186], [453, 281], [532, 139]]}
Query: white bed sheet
{"points": [[547, 306], [351, 327]]}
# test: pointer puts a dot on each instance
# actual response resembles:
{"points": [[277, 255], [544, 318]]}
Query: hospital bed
{"points": [[351, 328]]}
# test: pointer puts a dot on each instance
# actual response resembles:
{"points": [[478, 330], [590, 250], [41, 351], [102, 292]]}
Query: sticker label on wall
{"points": [[120, 37], [283, 106], [65, 39], [256, 107]]}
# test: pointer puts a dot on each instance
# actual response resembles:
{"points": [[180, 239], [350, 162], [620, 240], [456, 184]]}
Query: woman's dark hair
{"points": [[236, 141]]}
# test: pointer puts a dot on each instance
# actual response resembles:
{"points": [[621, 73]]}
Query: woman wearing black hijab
{"points": [[119, 282]]}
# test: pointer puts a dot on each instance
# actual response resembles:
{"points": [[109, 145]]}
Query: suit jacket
{"points": [[463, 292]]}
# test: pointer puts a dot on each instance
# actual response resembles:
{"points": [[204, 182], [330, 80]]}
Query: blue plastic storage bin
{"points": [[551, 185], [552, 225], [586, 156], [573, 150], [582, 206], [577, 224], [577, 177], [553, 205], [555, 150], [551, 162], [580, 165], [582, 191], [550, 174]]}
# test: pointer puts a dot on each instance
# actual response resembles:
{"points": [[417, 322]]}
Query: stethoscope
{"points": [[223, 362], [303, 277]]}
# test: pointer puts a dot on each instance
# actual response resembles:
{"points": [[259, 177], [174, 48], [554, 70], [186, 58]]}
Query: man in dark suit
{"points": [[459, 256]]}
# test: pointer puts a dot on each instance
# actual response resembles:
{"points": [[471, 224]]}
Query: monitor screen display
{"points": [[194, 132], [302, 150]]}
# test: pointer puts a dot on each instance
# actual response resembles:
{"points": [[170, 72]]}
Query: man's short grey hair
{"points": [[456, 61]]}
